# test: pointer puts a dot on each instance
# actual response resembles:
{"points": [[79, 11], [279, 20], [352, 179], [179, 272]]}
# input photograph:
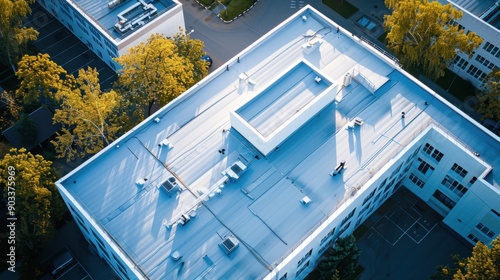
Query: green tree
{"points": [[484, 263], [192, 49], [343, 261], [27, 129], [88, 116], [39, 78], [38, 206], [424, 35], [13, 35], [154, 71], [489, 98]]}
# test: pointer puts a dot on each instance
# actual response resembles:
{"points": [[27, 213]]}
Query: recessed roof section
{"points": [[120, 18], [283, 106]]}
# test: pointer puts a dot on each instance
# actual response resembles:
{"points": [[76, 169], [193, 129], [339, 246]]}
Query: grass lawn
{"points": [[235, 7], [206, 3], [460, 88], [342, 7]]}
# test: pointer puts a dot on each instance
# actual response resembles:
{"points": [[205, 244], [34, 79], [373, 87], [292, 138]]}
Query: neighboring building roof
{"points": [[163, 188], [487, 10], [45, 128], [121, 17]]}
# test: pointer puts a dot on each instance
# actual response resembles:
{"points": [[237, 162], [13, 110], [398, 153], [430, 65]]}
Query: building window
{"points": [[368, 197], [324, 239], [342, 230], [284, 276], [472, 180], [348, 217], [425, 168], [364, 209], [305, 257], [484, 229], [419, 183], [459, 170], [473, 238], [382, 184], [302, 269], [446, 201], [485, 62], [434, 153], [476, 73], [460, 62], [454, 186], [389, 185], [489, 47]]}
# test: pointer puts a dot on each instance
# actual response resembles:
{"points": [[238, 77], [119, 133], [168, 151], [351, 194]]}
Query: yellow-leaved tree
{"points": [[13, 35], [88, 116], [424, 35], [30, 180], [39, 78], [158, 70], [489, 98]]}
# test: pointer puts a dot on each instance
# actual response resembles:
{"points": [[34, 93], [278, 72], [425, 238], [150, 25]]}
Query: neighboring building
{"points": [[483, 18], [241, 177], [110, 28]]}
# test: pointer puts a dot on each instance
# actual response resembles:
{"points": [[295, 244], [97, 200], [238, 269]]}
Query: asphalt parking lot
{"points": [[407, 240]]}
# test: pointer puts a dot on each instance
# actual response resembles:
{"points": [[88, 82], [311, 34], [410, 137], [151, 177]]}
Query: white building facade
{"points": [[483, 18], [110, 28], [234, 179]]}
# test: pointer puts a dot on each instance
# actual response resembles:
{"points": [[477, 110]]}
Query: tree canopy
{"points": [[489, 99], [342, 262], [158, 70], [425, 35], [38, 205], [484, 263], [39, 78], [13, 35], [88, 116]]}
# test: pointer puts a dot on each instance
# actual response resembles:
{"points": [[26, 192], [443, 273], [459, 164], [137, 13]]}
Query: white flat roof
{"points": [[262, 209]]}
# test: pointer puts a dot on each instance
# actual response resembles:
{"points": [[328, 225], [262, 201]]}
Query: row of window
{"points": [[484, 229], [476, 73], [434, 153], [490, 65], [459, 170], [419, 183], [445, 200], [454, 186], [492, 49]]}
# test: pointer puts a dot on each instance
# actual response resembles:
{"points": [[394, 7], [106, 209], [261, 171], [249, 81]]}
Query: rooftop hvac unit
{"points": [[157, 120], [317, 79], [114, 3], [305, 200], [169, 184], [141, 182], [176, 255], [229, 244], [235, 171], [166, 143], [347, 79]]}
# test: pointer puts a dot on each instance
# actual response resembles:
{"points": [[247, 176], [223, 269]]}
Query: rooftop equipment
{"points": [[305, 200], [229, 244], [235, 171], [134, 16], [170, 184]]}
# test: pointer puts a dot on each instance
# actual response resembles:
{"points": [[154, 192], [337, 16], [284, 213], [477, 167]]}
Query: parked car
{"points": [[61, 260], [208, 59]]}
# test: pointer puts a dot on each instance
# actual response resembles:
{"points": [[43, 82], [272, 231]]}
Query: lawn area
{"points": [[460, 88], [234, 8], [342, 7], [206, 3]]}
